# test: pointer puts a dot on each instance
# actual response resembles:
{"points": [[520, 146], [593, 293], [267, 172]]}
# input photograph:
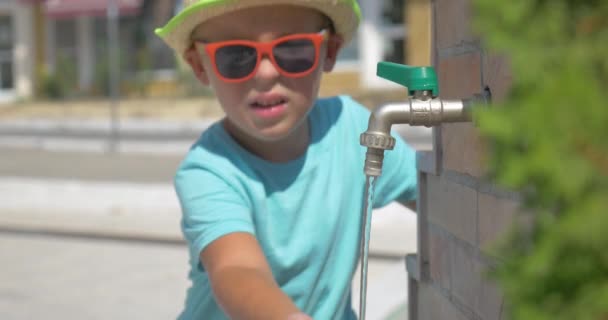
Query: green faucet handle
{"points": [[414, 78]]}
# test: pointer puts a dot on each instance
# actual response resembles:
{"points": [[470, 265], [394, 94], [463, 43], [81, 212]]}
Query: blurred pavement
{"points": [[130, 135], [86, 233]]}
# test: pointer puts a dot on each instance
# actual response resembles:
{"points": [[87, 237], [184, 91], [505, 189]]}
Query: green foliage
{"points": [[133, 68], [143, 74], [50, 86], [101, 81], [60, 84], [549, 140]]}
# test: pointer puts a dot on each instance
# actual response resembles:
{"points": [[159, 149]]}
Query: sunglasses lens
{"points": [[295, 56], [235, 61]]}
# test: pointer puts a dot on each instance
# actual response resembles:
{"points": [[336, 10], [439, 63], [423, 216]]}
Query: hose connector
{"points": [[376, 143]]}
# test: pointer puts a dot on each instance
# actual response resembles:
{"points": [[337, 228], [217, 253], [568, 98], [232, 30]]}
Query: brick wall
{"points": [[460, 213]]}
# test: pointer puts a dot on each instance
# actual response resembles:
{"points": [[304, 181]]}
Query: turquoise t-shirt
{"points": [[306, 213]]}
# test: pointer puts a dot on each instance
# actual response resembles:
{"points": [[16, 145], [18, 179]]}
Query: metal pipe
{"points": [[114, 72]]}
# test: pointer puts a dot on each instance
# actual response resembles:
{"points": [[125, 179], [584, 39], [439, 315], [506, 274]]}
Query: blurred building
{"points": [[65, 42], [16, 49]]}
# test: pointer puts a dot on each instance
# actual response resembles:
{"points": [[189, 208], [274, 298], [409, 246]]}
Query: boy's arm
{"points": [[242, 281]]}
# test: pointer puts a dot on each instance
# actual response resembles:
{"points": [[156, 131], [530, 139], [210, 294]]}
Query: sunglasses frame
{"points": [[264, 49]]}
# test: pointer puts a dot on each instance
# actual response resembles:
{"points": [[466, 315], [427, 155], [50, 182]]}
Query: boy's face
{"points": [[270, 105]]}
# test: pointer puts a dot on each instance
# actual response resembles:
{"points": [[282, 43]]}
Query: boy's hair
{"points": [[329, 24], [344, 17]]}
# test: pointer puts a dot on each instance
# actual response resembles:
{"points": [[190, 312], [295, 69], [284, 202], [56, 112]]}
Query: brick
{"points": [[489, 304], [452, 22], [466, 279], [434, 306], [496, 215], [439, 258], [463, 149], [497, 75], [460, 76], [426, 161], [471, 285], [453, 207]]}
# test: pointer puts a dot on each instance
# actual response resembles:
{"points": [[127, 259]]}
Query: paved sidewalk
{"points": [[71, 278], [150, 136], [147, 211], [122, 212], [156, 136]]}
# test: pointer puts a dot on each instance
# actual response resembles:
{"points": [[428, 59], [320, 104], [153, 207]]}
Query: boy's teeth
{"points": [[268, 104]]}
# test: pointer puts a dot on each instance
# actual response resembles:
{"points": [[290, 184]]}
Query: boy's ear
{"points": [[334, 44], [196, 64]]}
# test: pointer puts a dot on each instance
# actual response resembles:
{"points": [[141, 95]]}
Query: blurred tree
{"points": [[61, 83], [549, 140]]}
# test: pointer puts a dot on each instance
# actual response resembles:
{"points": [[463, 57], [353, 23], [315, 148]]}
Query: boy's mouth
{"points": [[268, 103]]}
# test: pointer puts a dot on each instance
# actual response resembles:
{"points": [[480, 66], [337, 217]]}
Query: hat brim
{"points": [[345, 15]]}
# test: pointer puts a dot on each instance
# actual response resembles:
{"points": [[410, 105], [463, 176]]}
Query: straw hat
{"points": [[345, 15]]}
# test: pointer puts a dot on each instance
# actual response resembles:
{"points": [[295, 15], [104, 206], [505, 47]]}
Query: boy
{"points": [[271, 195]]}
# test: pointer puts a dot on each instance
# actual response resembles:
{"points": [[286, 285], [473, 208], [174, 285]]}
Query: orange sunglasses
{"points": [[293, 56]]}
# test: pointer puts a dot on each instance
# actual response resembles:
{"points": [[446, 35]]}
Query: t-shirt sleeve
{"points": [[211, 207], [399, 175]]}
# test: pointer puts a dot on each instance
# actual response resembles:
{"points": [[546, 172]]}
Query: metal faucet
{"points": [[423, 108]]}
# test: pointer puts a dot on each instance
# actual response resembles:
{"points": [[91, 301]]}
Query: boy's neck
{"points": [[284, 150]]}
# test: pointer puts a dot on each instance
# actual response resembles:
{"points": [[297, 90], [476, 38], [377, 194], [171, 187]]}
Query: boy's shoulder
{"points": [[344, 100], [212, 149], [339, 105], [342, 108]]}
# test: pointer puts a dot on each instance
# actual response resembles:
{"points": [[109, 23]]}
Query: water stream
{"points": [[366, 228]]}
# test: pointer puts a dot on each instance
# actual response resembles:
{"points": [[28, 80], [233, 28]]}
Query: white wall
{"points": [[372, 36]]}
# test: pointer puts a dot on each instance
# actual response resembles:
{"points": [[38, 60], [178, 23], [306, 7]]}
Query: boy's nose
{"points": [[267, 70]]}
